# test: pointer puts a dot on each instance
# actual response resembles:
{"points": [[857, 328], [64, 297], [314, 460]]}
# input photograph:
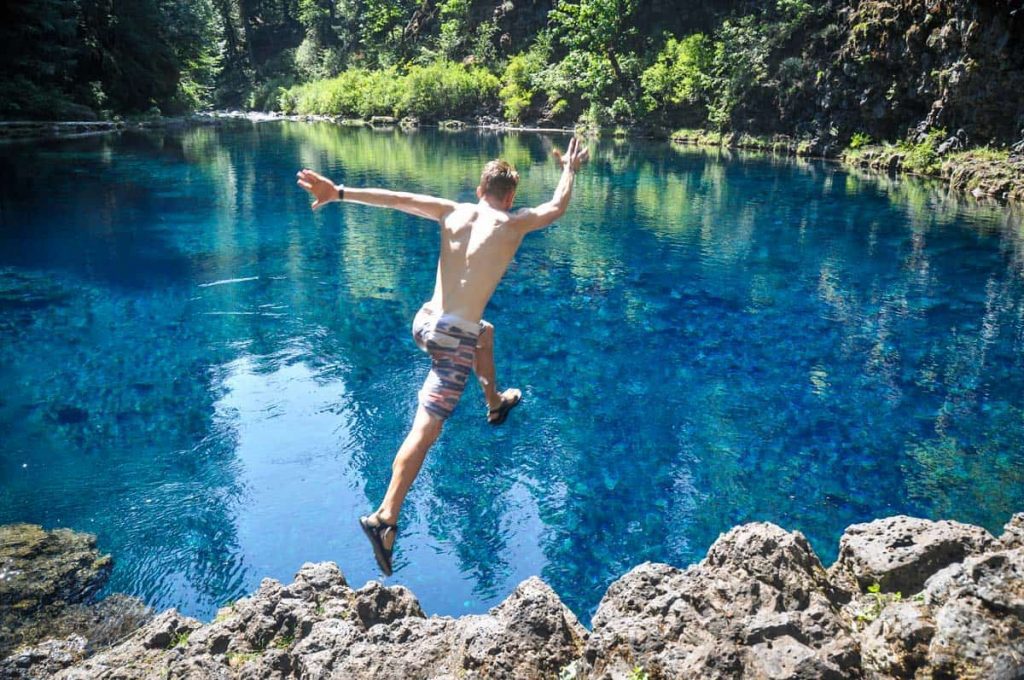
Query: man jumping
{"points": [[478, 241]]}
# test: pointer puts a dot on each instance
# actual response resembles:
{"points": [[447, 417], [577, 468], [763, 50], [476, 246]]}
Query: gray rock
{"points": [[146, 653], [759, 605], [1013, 532], [318, 627], [896, 643], [529, 635], [43, 660], [900, 553], [979, 618]]}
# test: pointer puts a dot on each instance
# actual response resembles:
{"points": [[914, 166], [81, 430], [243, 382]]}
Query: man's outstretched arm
{"points": [[530, 219], [325, 191]]}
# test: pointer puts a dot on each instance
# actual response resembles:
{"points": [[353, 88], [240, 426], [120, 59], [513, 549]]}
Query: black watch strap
{"points": [[341, 192]]}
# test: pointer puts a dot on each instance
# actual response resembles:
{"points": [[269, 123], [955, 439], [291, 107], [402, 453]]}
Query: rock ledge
{"points": [[907, 598]]}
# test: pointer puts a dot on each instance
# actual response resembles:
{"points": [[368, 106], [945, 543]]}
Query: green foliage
{"points": [[454, 16], [521, 81], [284, 641], [922, 157], [180, 639], [680, 75], [445, 90], [878, 602], [599, 35], [638, 673], [240, 658], [435, 91], [859, 140]]}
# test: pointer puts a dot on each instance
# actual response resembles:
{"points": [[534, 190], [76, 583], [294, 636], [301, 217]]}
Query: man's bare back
{"points": [[478, 241], [477, 245]]}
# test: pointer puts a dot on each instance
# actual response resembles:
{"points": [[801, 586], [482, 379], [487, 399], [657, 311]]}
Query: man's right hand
{"points": [[322, 189], [575, 156]]}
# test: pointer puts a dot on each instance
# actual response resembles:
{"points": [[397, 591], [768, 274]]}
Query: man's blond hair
{"points": [[499, 179]]}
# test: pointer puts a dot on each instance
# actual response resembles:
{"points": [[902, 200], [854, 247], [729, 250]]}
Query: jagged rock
{"points": [[42, 573], [979, 617], [43, 660], [529, 635], [1013, 532], [900, 553], [143, 654], [375, 604], [896, 643], [319, 627], [759, 605]]}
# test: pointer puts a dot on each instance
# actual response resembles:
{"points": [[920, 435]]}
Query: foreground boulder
{"points": [[759, 605], [978, 609], [900, 553]]}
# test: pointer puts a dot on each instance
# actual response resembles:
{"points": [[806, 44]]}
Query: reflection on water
{"points": [[214, 380]]}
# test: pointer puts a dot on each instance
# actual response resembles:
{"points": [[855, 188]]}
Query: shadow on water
{"points": [[214, 380]]}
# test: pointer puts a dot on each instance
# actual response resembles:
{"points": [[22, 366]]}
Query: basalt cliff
{"points": [[906, 598]]}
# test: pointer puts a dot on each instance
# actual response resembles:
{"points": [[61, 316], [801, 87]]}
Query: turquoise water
{"points": [[214, 380]]}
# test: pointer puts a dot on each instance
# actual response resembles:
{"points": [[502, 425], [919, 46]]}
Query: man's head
{"points": [[498, 182]]}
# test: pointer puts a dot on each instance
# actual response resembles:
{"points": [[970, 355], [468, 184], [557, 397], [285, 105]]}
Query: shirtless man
{"points": [[478, 241]]}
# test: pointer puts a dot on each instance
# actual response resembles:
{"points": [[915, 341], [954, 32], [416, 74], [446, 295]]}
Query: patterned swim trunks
{"points": [[451, 343]]}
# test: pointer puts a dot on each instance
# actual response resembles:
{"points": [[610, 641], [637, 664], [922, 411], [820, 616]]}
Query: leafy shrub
{"points": [[517, 90], [435, 91], [445, 90], [922, 157], [859, 140], [681, 74]]}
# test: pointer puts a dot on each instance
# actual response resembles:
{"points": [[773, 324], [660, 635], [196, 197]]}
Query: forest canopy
{"points": [[830, 68]]}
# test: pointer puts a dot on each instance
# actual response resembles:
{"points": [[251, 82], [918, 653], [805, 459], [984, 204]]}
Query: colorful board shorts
{"points": [[451, 343]]}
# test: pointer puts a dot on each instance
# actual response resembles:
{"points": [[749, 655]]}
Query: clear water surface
{"points": [[214, 380]]}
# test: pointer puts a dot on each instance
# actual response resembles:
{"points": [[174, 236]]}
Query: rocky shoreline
{"points": [[906, 598], [981, 173]]}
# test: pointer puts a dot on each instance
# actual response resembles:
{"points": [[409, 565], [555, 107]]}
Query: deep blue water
{"points": [[214, 380]]}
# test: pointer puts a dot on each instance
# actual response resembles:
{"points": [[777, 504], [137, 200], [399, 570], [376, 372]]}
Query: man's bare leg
{"points": [[483, 366], [408, 461]]}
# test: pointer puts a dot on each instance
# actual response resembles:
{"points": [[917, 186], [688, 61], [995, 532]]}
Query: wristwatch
{"points": [[341, 191]]}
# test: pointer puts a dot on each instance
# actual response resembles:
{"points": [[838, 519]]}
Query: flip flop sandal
{"points": [[498, 415], [376, 533]]}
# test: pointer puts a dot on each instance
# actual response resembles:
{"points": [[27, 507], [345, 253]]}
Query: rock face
{"points": [[895, 65], [1013, 532], [900, 553], [319, 627], [760, 605]]}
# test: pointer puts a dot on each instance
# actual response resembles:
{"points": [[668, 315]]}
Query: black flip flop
{"points": [[502, 411], [376, 533]]}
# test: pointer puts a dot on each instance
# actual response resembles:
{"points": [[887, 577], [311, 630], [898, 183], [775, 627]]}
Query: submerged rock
{"points": [[42, 573]]}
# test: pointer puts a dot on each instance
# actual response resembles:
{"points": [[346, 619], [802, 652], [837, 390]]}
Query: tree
{"points": [[599, 27]]}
